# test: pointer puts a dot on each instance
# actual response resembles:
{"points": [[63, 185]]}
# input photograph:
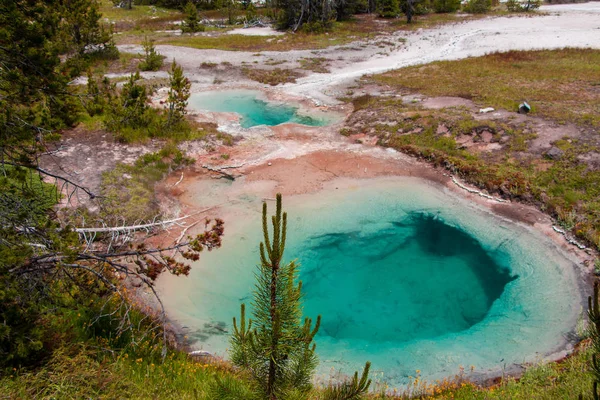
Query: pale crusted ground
{"points": [[566, 25]]}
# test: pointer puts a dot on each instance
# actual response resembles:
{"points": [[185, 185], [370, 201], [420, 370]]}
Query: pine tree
{"points": [[277, 345], [191, 23], [179, 93], [129, 109], [85, 33], [152, 60], [95, 102], [352, 390], [446, 6], [389, 8]]}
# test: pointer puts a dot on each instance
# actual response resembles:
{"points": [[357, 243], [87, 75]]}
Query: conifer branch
{"points": [[283, 234], [267, 242], [353, 390]]}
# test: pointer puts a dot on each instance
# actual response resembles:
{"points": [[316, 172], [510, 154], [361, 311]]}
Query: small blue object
{"points": [[524, 108]]}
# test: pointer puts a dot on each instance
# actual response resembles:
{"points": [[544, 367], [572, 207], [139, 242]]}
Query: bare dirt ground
{"points": [[82, 156]]}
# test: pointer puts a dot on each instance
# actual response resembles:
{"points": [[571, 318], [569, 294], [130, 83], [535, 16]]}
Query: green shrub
{"points": [[523, 6], [446, 6], [130, 108], [191, 23], [316, 26], [478, 6], [129, 189], [152, 60], [389, 9]]}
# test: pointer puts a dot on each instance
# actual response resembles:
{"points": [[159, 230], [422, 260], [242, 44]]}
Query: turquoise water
{"points": [[424, 279], [253, 110], [404, 274]]}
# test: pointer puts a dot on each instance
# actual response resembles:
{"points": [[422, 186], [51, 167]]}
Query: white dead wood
{"points": [[568, 238], [179, 181], [219, 170], [477, 192], [183, 232], [132, 228]]}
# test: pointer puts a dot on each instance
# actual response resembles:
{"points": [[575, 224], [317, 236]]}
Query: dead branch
{"points": [[57, 177], [226, 175], [184, 232], [132, 228], [180, 179]]}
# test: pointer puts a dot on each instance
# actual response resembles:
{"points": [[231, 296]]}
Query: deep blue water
{"points": [[253, 111], [415, 278]]}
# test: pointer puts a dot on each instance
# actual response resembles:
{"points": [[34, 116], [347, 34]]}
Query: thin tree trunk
{"points": [[275, 336]]}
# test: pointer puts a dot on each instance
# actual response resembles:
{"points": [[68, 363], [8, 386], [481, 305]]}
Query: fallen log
{"points": [[137, 227], [226, 175]]}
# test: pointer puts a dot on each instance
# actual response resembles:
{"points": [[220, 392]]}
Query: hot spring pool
{"points": [[254, 109], [404, 273]]}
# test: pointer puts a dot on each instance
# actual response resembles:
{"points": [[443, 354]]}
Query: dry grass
{"points": [[272, 77], [562, 85], [316, 64], [139, 17], [361, 28]]}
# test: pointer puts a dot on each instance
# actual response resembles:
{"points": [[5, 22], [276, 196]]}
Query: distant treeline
{"points": [[318, 15]]}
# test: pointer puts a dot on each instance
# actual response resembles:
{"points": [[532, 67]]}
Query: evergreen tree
{"points": [[129, 110], [344, 9], [352, 390], [389, 8], [81, 23], [312, 15], [408, 8], [179, 93], [227, 8], [96, 98], [477, 6], [446, 6], [152, 60], [34, 99], [277, 345], [192, 22]]}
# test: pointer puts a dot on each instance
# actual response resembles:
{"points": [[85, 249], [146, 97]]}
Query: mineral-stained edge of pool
{"points": [[255, 110], [404, 273]]}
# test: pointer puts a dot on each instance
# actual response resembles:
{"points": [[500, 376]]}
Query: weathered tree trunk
{"points": [[409, 10]]}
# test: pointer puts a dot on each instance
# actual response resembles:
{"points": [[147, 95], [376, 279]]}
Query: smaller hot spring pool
{"points": [[254, 109]]}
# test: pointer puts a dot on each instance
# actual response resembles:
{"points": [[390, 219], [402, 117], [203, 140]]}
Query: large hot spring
{"points": [[404, 273]]}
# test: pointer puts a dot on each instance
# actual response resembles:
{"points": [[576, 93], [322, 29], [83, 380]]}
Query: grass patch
{"points": [[563, 380], [316, 64], [139, 17], [562, 85], [92, 358], [272, 77], [129, 189], [566, 188], [79, 372], [361, 28]]}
